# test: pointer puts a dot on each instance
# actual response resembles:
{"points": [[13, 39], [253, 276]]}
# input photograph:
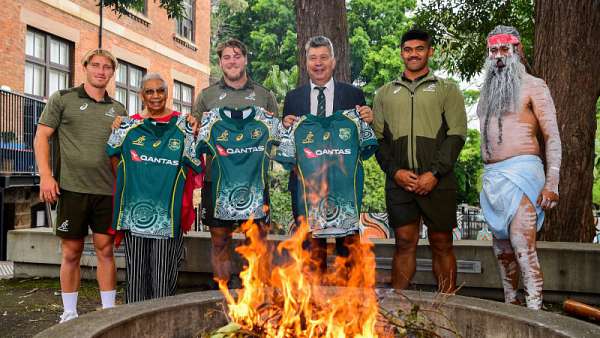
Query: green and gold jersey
{"points": [[240, 148], [151, 175], [328, 152]]}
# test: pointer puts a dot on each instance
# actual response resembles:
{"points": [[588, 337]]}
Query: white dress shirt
{"points": [[329, 88]]}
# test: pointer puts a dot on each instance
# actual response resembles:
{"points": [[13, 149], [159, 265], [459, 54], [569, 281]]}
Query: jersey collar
{"points": [[84, 95]]}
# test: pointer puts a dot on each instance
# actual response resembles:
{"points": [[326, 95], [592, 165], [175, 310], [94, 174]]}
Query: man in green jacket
{"points": [[421, 125]]}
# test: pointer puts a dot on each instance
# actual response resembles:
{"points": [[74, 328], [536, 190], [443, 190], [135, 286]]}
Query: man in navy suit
{"points": [[321, 97]]}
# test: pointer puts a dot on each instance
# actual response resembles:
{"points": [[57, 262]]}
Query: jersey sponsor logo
{"points": [[256, 134], [326, 136], [83, 106], [139, 141], [239, 137], [64, 226], [310, 138], [251, 96], [134, 156], [174, 144], [397, 90], [110, 112], [309, 153], [156, 144], [222, 151], [224, 136], [222, 96], [344, 134], [230, 151], [145, 158], [320, 152]]}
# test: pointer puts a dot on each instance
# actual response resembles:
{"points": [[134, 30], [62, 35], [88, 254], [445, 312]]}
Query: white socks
{"points": [[108, 298], [70, 301]]}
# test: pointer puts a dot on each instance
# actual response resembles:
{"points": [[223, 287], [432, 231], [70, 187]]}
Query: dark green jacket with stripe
{"points": [[421, 126]]}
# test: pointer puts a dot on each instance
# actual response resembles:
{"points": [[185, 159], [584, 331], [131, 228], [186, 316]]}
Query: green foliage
{"points": [[174, 8], [460, 29], [267, 27], [468, 169], [374, 188], [280, 200], [375, 28], [471, 96], [281, 81]]}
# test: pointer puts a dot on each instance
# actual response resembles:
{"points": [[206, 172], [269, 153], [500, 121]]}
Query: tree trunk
{"points": [[328, 18], [567, 45]]}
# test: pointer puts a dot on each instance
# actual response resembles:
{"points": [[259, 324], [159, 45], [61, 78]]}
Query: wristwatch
{"points": [[436, 174]]}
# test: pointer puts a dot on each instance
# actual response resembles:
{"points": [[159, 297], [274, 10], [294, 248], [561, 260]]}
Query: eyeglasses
{"points": [[158, 91]]}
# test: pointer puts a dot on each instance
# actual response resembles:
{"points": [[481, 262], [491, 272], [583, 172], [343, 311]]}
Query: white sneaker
{"points": [[67, 315]]}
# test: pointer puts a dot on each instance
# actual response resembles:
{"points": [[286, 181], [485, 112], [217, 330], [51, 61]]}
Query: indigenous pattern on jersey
{"points": [[328, 152], [151, 174], [240, 148]]}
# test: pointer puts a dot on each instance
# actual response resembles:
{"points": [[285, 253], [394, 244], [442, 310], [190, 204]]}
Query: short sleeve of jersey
{"points": [[272, 123], [117, 137], [367, 140], [206, 123], [190, 156], [53, 110]]}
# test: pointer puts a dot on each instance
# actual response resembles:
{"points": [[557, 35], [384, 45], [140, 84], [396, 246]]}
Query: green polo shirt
{"points": [[220, 95], [83, 126]]}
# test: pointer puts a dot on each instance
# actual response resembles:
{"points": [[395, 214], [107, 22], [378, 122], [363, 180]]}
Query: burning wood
{"points": [[294, 300]]}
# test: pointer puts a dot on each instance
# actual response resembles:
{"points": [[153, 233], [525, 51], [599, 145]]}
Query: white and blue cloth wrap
{"points": [[504, 184]]}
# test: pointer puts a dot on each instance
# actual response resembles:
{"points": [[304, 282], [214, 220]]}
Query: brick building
{"points": [[43, 41], [41, 46]]}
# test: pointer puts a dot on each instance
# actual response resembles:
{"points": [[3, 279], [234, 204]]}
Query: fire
{"points": [[289, 300]]}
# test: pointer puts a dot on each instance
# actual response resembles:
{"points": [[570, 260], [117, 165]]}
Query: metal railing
{"points": [[19, 115]]}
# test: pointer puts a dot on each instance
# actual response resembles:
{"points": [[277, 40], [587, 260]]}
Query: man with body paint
{"points": [[515, 107]]}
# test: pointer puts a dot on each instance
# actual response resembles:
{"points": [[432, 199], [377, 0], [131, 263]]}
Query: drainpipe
{"points": [[100, 26]]}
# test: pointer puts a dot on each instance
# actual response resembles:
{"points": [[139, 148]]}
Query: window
{"points": [[182, 97], [129, 84], [47, 63], [185, 24]]}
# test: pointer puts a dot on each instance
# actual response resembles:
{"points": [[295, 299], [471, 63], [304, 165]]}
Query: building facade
{"points": [[43, 41]]}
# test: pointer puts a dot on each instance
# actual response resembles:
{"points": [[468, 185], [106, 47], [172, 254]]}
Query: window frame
{"points": [[127, 86], [179, 22], [179, 101], [46, 63]]}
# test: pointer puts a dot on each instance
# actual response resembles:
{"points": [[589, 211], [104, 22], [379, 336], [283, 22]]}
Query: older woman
{"points": [[151, 151]]}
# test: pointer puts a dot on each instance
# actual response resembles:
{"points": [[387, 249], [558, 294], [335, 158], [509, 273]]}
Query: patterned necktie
{"points": [[321, 101]]}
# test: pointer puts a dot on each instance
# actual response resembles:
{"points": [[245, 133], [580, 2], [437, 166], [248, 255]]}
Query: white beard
{"points": [[501, 91]]}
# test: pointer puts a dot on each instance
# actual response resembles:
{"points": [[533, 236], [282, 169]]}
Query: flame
{"points": [[289, 300]]}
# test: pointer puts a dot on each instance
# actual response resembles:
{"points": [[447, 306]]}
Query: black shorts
{"points": [[77, 211], [208, 211], [438, 208]]}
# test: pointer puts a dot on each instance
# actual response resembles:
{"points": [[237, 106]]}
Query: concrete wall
{"points": [[570, 269]]}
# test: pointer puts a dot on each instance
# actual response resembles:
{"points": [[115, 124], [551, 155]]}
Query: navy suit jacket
{"points": [[345, 96], [297, 102]]}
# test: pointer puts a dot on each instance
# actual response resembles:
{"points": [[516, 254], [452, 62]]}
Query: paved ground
{"points": [[31, 305]]}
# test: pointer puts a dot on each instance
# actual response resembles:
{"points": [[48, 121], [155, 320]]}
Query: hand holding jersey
{"points": [[328, 152]]}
